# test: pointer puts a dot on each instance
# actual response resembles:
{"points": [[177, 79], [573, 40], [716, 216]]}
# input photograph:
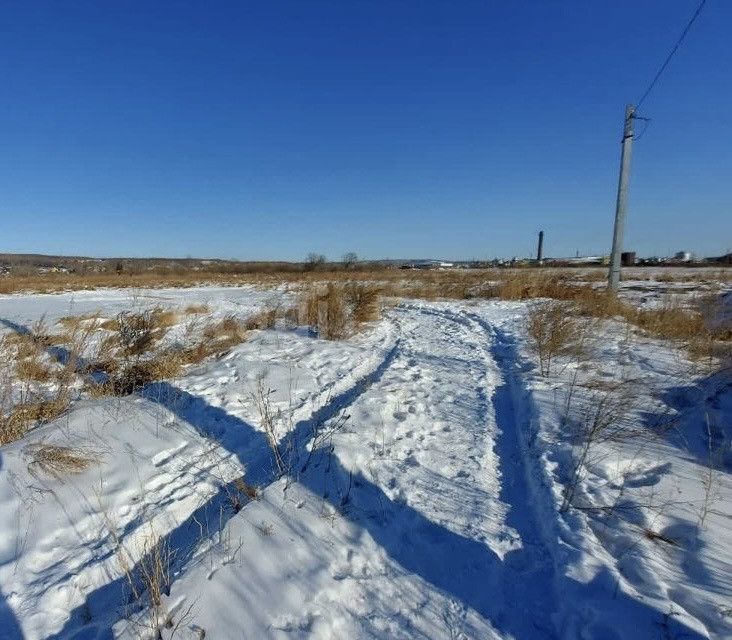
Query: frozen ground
{"points": [[424, 462]]}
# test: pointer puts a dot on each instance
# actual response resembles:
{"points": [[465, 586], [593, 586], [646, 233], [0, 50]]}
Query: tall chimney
{"points": [[540, 250]]}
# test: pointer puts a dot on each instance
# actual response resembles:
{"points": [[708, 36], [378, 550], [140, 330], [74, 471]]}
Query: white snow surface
{"points": [[424, 465]]}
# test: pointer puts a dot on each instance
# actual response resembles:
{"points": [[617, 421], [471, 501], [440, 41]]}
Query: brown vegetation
{"points": [[554, 331], [57, 460]]}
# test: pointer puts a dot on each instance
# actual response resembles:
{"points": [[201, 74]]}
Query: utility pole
{"points": [[613, 278]]}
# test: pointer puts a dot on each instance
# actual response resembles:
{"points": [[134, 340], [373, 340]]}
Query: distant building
{"points": [[429, 264], [627, 258], [684, 256], [577, 260]]}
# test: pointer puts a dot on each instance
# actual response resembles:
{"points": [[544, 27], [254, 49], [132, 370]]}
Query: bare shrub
{"points": [[136, 332], [553, 331], [262, 397], [603, 418]]}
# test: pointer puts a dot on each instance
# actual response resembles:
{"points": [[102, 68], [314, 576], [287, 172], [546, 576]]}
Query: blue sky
{"points": [[266, 130]]}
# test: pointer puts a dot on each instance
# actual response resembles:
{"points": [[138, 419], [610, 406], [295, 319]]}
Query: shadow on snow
{"points": [[462, 568]]}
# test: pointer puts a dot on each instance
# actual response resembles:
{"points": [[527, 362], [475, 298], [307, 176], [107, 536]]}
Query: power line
{"points": [[672, 52]]}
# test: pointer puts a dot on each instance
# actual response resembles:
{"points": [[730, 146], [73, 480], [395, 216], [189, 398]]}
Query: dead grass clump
{"points": [[33, 368], [111, 324], [73, 323], [194, 309], [163, 318], [325, 309], [265, 319], [229, 331], [553, 331], [16, 422], [11, 429], [57, 460], [133, 376], [137, 332], [332, 319], [671, 321], [365, 302]]}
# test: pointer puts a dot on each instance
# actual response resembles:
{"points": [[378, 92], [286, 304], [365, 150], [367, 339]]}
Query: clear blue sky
{"points": [[269, 129]]}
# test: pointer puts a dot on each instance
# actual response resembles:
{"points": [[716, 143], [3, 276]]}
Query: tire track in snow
{"points": [[529, 572]]}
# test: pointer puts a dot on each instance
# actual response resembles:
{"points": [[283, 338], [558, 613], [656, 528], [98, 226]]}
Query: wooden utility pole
{"points": [[613, 278]]}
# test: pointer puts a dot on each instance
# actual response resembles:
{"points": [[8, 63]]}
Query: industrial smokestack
{"points": [[540, 250]]}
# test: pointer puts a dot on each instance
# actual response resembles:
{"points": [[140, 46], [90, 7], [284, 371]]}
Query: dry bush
{"points": [[57, 460], [136, 332], [365, 302], [554, 331], [325, 309], [155, 570]]}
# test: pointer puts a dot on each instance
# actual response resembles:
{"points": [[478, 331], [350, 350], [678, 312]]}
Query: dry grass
{"points": [[57, 460], [138, 332], [336, 310], [554, 331], [365, 302], [15, 423], [132, 376], [194, 309], [33, 368], [111, 324], [324, 309], [265, 319], [73, 323]]}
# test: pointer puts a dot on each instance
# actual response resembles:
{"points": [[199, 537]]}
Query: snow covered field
{"points": [[408, 482]]}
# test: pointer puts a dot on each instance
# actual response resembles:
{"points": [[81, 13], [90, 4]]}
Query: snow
{"points": [[425, 463]]}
